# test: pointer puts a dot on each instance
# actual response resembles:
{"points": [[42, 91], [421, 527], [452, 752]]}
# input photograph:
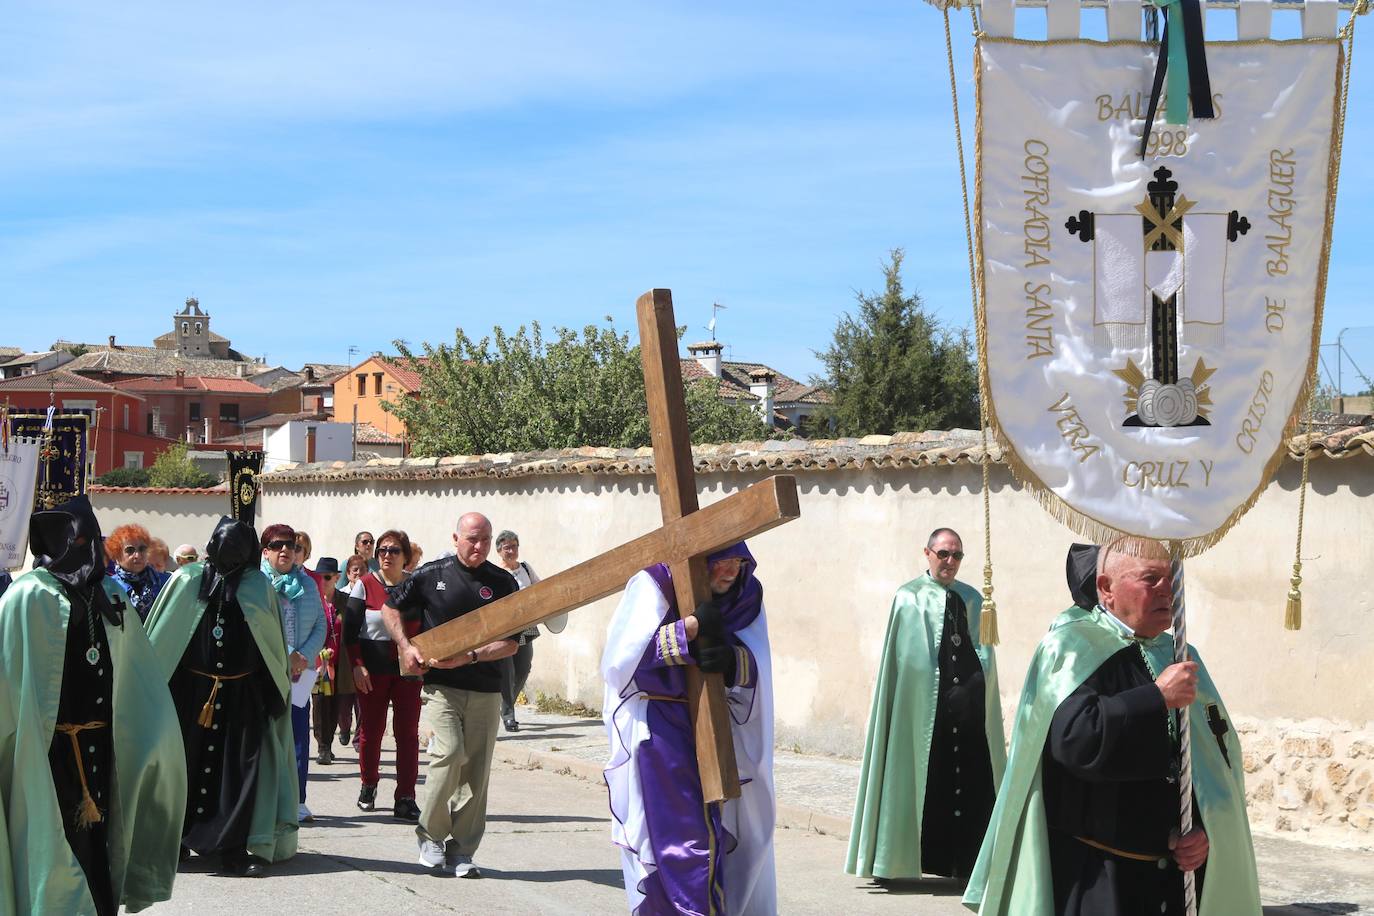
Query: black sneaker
{"points": [[405, 809], [367, 798]]}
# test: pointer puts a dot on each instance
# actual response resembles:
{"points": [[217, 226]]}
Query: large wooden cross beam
{"points": [[688, 535]]}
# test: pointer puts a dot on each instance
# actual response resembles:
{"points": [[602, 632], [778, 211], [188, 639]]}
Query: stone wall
{"points": [[1303, 701]]}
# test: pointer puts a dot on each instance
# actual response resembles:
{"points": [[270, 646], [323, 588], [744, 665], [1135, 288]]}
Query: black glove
{"points": [[710, 622], [718, 660]]}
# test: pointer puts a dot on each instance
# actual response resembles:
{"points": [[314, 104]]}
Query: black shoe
{"points": [[343, 737], [325, 758], [405, 809], [242, 865], [184, 855], [511, 724], [367, 798]]}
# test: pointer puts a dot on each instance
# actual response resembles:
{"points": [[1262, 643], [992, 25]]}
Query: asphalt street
{"points": [[547, 850]]}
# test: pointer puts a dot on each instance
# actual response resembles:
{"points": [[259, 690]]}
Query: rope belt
{"points": [[207, 712], [1133, 856], [89, 812], [663, 699]]}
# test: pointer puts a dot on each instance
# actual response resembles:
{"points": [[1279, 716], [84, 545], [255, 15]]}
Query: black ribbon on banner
{"points": [[1191, 53], [62, 454], [244, 468]]}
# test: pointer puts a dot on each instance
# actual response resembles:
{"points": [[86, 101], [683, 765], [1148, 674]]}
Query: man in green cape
{"points": [[92, 779], [1086, 819], [218, 637], [935, 748]]}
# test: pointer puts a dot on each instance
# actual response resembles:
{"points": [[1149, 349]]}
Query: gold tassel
{"points": [[207, 712], [88, 813], [1292, 617], [987, 621]]}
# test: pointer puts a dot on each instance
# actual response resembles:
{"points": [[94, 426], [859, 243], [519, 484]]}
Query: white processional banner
{"points": [[1151, 324], [18, 479]]}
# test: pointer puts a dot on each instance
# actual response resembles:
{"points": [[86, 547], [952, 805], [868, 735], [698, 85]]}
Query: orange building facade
{"points": [[365, 386]]}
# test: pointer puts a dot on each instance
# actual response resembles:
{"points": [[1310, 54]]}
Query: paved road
{"points": [[547, 850]]}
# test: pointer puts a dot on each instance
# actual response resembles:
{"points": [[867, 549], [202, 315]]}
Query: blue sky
{"points": [[331, 175]]}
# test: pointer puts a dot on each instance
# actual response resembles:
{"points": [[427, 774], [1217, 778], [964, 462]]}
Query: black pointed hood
{"points": [[1081, 569], [66, 541], [232, 548]]}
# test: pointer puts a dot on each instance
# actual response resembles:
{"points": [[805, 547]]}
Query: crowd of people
{"points": [[242, 652], [184, 700]]}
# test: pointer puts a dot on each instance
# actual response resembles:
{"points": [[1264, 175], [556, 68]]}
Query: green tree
{"points": [[519, 392], [124, 477], [173, 468], [893, 367], [77, 349]]}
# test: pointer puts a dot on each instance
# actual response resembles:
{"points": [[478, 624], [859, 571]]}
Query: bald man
{"points": [[463, 694], [1087, 817]]}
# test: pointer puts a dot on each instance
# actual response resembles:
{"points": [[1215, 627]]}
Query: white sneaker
{"points": [[303, 815], [431, 853], [464, 868]]}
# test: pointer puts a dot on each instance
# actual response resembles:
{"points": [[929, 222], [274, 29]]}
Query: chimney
{"points": [[310, 373], [112, 343], [190, 435], [181, 378], [238, 370], [761, 387], [310, 445], [207, 431], [707, 353], [157, 422]]}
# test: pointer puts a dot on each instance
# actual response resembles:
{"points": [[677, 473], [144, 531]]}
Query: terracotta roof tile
{"points": [[918, 449], [217, 385], [61, 380], [150, 361], [220, 489]]}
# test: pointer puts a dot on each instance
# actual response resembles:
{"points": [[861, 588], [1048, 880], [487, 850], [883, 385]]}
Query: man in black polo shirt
{"points": [[463, 693]]}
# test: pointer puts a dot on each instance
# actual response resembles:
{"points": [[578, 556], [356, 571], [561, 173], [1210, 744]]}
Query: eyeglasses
{"points": [[384, 551], [281, 545], [186, 558], [509, 545], [133, 550], [946, 554]]}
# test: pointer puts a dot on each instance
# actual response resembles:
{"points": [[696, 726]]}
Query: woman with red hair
{"points": [[127, 547]]}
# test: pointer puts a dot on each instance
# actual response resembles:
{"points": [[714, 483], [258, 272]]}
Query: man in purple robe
{"points": [[675, 860]]}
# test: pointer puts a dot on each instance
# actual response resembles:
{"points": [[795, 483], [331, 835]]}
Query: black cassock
{"points": [[1110, 776], [959, 789], [222, 759], [85, 701]]}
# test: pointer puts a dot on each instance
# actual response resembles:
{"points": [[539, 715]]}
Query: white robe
{"points": [[749, 879]]}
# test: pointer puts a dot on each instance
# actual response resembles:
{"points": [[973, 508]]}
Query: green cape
{"points": [[171, 624], [1013, 875], [885, 839], [38, 871]]}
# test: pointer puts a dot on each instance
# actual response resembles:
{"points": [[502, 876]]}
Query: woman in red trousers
{"points": [[377, 678]]}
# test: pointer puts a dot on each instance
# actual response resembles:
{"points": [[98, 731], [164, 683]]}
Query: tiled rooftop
{"points": [[734, 380], [217, 385], [151, 361], [59, 380]]}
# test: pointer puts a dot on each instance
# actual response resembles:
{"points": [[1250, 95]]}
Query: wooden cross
{"points": [[687, 536]]}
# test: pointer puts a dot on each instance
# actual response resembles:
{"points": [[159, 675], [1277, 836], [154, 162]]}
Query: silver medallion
{"points": [[92, 656], [218, 632], [957, 640]]}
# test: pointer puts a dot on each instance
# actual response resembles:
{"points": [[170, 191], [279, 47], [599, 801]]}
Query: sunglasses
{"points": [[384, 551], [946, 554], [187, 557], [133, 550], [365, 541], [281, 545]]}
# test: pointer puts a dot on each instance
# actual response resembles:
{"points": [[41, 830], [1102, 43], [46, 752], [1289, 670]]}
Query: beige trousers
{"points": [[464, 724]]}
